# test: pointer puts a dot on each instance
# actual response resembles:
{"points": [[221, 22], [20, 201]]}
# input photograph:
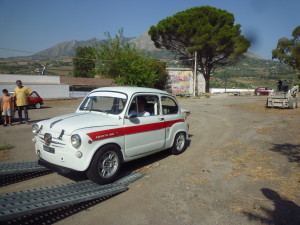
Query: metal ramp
{"points": [[21, 203], [21, 167]]}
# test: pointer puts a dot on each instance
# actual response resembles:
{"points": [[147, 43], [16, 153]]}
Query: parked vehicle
{"points": [[34, 100], [110, 127], [286, 96], [262, 91]]}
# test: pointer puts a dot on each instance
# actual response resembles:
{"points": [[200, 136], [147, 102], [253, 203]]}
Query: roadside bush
{"points": [[297, 83]]}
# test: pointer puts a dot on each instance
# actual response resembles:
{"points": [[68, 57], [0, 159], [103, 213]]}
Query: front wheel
{"points": [[105, 165], [179, 144], [291, 103]]}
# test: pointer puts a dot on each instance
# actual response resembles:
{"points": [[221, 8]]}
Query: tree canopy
{"points": [[84, 62], [119, 60], [288, 50], [206, 30]]}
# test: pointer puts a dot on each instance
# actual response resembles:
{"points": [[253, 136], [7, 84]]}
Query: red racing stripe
{"points": [[99, 135], [144, 128], [172, 122]]}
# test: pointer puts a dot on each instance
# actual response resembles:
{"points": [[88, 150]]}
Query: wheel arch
{"points": [[106, 144]]}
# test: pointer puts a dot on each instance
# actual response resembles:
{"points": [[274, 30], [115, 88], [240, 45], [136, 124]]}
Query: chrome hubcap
{"points": [[108, 164], [180, 142]]}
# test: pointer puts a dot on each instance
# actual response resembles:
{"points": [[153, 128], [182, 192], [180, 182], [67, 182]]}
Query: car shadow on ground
{"points": [[285, 212], [291, 151]]}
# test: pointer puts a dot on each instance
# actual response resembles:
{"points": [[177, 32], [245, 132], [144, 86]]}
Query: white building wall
{"points": [[44, 90], [45, 86], [29, 79]]}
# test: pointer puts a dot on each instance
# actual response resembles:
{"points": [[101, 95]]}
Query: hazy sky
{"points": [[35, 25]]}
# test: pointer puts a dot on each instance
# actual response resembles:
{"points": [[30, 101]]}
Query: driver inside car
{"points": [[142, 102]]}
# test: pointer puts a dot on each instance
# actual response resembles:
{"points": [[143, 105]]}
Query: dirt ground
{"points": [[242, 166]]}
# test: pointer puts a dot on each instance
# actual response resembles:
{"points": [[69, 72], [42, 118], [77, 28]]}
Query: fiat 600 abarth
{"points": [[112, 125]]}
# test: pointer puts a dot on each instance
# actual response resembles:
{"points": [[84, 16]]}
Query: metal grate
{"points": [[129, 178], [20, 167], [21, 203]]}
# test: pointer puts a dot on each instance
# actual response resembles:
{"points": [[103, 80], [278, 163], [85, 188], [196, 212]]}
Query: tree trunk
{"points": [[207, 80]]}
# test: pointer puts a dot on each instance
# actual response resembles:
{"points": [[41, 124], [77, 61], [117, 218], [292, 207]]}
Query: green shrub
{"points": [[297, 83]]}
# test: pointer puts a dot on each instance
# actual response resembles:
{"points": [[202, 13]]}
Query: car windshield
{"points": [[108, 102]]}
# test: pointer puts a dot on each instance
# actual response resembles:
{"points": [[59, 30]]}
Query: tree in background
{"points": [[128, 66], [288, 50], [205, 30], [84, 62]]}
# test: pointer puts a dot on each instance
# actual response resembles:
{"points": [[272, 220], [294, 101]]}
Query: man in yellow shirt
{"points": [[21, 98]]}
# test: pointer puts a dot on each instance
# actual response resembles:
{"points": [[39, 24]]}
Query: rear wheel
{"points": [[105, 165], [37, 105], [179, 144]]}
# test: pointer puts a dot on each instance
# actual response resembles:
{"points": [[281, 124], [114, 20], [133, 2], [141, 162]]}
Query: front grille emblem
{"points": [[47, 138]]}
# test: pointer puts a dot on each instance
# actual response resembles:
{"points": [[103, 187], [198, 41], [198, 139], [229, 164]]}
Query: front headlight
{"points": [[35, 129], [76, 140]]}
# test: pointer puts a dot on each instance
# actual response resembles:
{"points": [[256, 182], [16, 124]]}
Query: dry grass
{"points": [[4, 152], [147, 168], [258, 167], [260, 107], [266, 130]]}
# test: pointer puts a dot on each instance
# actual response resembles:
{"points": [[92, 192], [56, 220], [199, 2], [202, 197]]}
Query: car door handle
{"points": [[161, 119]]}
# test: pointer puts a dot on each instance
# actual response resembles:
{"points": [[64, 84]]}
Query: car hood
{"points": [[75, 121]]}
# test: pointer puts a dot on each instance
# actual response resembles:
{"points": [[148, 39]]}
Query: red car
{"points": [[262, 91], [34, 100]]}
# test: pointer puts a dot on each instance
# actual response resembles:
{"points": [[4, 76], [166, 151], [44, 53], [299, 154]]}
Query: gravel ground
{"points": [[242, 166]]}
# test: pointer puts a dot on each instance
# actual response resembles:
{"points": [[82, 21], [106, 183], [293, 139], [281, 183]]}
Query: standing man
{"points": [[21, 98]]}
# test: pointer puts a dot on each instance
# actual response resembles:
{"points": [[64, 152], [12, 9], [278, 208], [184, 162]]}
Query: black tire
{"points": [[105, 165], [179, 144], [37, 105], [267, 105]]}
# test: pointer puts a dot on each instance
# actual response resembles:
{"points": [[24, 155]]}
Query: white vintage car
{"points": [[112, 125]]}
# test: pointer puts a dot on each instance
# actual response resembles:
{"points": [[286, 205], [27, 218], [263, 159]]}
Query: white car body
{"points": [[135, 137]]}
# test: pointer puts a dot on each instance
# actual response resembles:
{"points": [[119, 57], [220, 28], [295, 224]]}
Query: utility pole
{"points": [[195, 75]]}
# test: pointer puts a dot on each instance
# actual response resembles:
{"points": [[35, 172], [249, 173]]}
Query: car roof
{"points": [[131, 90]]}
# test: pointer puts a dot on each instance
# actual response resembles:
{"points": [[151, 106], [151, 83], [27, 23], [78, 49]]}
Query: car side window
{"points": [[169, 106], [33, 95], [144, 105]]}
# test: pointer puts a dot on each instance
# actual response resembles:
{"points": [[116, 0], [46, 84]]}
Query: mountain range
{"points": [[143, 42], [59, 59]]}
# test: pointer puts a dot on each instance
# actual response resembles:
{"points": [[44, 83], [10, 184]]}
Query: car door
{"points": [[171, 116], [144, 132], [32, 98]]}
